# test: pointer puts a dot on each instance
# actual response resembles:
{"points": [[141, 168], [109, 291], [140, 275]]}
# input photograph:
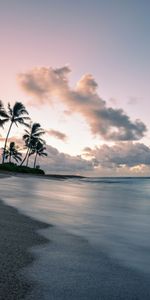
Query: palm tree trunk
{"points": [[25, 157], [10, 158], [35, 160], [3, 156], [28, 157]]}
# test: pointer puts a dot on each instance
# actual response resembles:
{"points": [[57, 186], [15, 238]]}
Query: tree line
{"points": [[32, 137]]}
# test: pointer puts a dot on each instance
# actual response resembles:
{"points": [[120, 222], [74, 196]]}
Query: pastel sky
{"points": [[82, 70]]}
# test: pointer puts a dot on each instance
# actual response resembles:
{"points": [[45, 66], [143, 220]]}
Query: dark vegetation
{"points": [[11, 167]]}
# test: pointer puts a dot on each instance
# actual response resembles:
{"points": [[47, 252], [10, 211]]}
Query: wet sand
{"points": [[17, 235], [74, 269], [70, 268]]}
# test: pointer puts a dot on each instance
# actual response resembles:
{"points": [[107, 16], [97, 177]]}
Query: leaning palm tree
{"points": [[16, 116], [12, 152], [38, 149], [31, 137]]}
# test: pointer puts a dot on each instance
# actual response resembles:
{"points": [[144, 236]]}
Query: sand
{"points": [[69, 268], [75, 270], [17, 235]]}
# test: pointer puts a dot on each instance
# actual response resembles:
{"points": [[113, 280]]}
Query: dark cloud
{"points": [[44, 83], [128, 154], [112, 124], [59, 162], [104, 160], [57, 134]]}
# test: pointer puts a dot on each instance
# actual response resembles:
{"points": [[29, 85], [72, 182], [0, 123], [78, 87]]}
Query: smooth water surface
{"points": [[113, 214]]}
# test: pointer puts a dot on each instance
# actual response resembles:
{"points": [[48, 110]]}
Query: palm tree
{"points": [[3, 114], [15, 115], [31, 137], [38, 149], [12, 152]]}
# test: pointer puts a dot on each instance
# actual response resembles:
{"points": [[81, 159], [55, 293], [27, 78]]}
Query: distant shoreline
{"points": [[4, 173], [52, 176]]}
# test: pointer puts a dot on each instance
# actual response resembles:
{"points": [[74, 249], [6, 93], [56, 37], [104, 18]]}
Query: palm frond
{"points": [[35, 127], [17, 158], [43, 154], [25, 136], [26, 124], [32, 152], [27, 131], [19, 109], [3, 112], [3, 121], [10, 110], [21, 120], [38, 133], [1, 104]]}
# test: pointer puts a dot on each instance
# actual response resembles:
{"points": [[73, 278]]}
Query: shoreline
{"points": [[70, 268], [53, 263], [18, 233], [4, 174]]}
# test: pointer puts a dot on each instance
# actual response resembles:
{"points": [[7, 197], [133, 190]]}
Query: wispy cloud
{"points": [[134, 100], [110, 123], [57, 134], [15, 139]]}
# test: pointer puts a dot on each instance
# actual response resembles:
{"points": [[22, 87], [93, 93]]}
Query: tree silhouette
{"points": [[38, 149], [12, 152], [31, 137], [3, 114], [16, 116]]}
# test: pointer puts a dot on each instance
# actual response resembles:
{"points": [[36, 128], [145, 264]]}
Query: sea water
{"points": [[113, 214]]}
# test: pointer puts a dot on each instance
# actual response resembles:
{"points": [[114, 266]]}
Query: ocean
{"points": [[111, 214]]}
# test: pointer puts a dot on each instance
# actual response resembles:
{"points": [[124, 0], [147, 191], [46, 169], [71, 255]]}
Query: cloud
{"points": [[134, 100], [57, 134], [46, 84], [113, 101], [19, 142], [119, 160], [121, 154], [58, 162]]}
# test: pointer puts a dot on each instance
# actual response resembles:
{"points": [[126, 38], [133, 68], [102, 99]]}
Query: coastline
{"points": [[18, 233], [4, 174]]}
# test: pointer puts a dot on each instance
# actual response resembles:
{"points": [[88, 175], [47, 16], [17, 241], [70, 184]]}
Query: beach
{"points": [[40, 261], [18, 234]]}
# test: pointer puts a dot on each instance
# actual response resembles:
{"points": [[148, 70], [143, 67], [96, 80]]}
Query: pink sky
{"points": [[108, 41]]}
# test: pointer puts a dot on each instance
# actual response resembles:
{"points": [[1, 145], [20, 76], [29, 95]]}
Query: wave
{"points": [[113, 180]]}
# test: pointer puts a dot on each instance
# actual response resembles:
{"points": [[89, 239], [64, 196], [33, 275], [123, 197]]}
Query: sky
{"points": [[82, 70]]}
